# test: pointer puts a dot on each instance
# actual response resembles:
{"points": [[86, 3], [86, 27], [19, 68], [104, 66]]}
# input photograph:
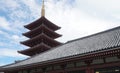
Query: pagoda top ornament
{"points": [[43, 9]]}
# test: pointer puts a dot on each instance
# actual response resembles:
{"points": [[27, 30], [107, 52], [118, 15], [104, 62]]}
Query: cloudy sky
{"points": [[77, 18]]}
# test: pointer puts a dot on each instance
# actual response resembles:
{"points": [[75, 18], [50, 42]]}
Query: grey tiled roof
{"points": [[96, 42]]}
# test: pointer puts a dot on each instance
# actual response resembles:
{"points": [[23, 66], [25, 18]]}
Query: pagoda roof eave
{"points": [[40, 20], [39, 48], [42, 27], [41, 36]]}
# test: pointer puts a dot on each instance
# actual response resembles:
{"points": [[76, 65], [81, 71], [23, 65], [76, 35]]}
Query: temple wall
{"points": [[98, 61], [75, 67], [112, 59], [80, 64]]}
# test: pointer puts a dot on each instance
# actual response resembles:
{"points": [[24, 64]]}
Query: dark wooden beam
{"points": [[44, 69], [104, 60], [88, 62], [118, 56]]}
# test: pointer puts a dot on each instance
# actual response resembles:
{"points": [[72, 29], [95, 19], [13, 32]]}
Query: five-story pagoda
{"points": [[41, 35]]}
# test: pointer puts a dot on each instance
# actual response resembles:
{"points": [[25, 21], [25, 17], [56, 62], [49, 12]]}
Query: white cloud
{"points": [[4, 23], [5, 34], [117, 16], [33, 6], [75, 22], [16, 38], [105, 5], [1, 64], [1, 44], [1, 32], [10, 53], [108, 5], [8, 4], [71, 17], [67, 16], [101, 8]]}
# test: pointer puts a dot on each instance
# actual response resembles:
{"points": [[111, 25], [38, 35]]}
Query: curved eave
{"points": [[41, 20], [43, 28], [35, 50], [85, 56], [42, 37]]}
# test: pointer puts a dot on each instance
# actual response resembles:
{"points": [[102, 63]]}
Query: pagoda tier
{"points": [[35, 50], [38, 22], [41, 38], [42, 29]]}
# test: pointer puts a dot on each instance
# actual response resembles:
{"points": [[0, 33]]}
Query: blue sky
{"points": [[77, 18]]}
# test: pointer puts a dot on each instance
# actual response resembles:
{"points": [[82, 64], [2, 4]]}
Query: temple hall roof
{"points": [[94, 43]]}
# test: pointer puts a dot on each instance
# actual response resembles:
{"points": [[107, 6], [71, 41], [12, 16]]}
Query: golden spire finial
{"points": [[43, 9]]}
